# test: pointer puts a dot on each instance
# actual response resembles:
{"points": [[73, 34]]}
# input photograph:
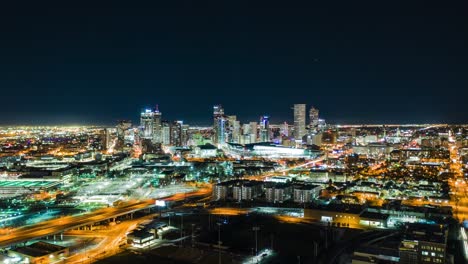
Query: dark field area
{"points": [[291, 242]]}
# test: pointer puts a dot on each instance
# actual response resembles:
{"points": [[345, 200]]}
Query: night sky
{"points": [[356, 61]]}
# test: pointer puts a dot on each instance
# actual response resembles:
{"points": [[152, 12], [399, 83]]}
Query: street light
{"points": [[256, 229], [181, 228], [193, 238]]}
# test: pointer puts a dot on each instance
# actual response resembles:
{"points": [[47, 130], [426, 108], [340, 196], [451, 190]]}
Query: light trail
{"points": [[305, 164]]}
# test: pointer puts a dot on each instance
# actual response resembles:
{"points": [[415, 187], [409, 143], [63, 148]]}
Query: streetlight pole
{"points": [[219, 243], [256, 229], [193, 238], [181, 227]]}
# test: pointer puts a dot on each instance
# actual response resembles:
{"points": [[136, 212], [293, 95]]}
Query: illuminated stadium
{"points": [[270, 150], [9, 188]]}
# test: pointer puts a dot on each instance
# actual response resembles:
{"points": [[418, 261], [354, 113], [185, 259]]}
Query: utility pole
{"points": [[253, 256], [193, 238], [219, 243], [271, 240], [256, 229], [181, 227]]}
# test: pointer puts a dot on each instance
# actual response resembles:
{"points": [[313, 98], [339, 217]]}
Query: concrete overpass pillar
{"points": [[61, 236], [54, 237]]}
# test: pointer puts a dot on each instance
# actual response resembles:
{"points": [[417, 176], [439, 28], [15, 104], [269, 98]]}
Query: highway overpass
{"points": [[59, 225]]}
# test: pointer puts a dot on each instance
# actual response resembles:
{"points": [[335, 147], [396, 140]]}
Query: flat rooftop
{"points": [[39, 249], [27, 183]]}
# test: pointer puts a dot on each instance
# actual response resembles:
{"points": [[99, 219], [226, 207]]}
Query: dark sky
{"points": [[376, 62]]}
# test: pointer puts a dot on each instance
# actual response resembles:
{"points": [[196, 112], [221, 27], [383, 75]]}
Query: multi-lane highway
{"points": [[109, 244], [62, 224], [59, 225]]}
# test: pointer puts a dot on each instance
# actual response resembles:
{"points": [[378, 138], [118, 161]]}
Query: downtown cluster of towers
{"points": [[227, 129], [160, 131]]}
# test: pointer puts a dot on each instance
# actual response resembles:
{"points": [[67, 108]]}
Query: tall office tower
{"points": [[220, 130], [245, 138], [122, 127], [185, 135], [299, 121], [231, 120], [165, 133], [285, 129], [107, 139], [236, 131], [147, 124], [314, 118], [176, 133], [264, 129], [219, 125], [253, 132], [157, 129]]}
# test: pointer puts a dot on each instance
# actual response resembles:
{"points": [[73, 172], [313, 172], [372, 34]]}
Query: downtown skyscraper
{"points": [[219, 125], [264, 129], [314, 118], [150, 123], [299, 121]]}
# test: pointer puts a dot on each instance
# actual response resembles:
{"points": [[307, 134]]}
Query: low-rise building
{"points": [[306, 193], [424, 243], [374, 219], [278, 193], [237, 190], [40, 252], [140, 238], [251, 190]]}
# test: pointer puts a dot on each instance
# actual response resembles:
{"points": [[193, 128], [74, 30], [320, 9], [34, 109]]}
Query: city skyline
{"points": [[234, 132], [288, 114]]}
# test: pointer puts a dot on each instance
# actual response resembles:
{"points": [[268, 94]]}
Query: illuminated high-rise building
{"points": [[253, 132], [245, 138], [107, 139], [231, 121], [314, 118], [219, 125], [299, 121], [220, 130], [264, 129], [165, 133], [150, 122], [157, 129], [236, 131], [185, 134], [233, 131], [147, 124], [285, 129], [122, 127], [176, 133]]}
